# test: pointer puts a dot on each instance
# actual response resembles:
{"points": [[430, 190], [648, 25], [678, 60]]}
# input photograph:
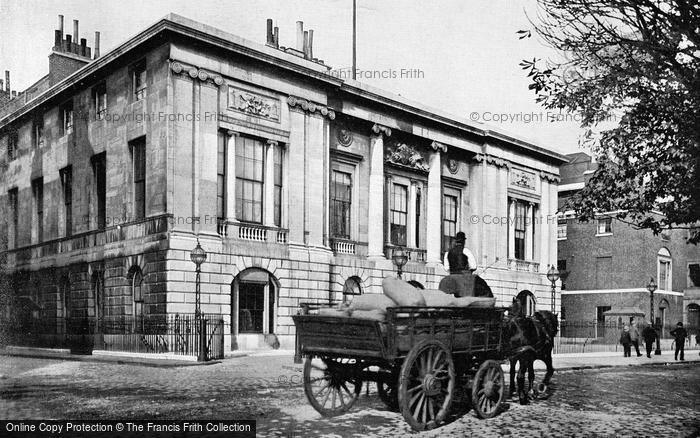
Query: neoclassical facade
{"points": [[298, 184]]}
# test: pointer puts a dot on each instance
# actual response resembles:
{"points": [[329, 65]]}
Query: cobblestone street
{"points": [[625, 401]]}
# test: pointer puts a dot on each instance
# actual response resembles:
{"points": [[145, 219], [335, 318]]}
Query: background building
{"points": [[298, 184], [606, 265]]}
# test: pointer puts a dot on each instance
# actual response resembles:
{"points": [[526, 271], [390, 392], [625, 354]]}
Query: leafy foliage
{"points": [[636, 62]]}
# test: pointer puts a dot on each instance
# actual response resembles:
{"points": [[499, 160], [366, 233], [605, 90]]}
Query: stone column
{"points": [[511, 229], [375, 229], [231, 176], [269, 186], [528, 231], [434, 204]]}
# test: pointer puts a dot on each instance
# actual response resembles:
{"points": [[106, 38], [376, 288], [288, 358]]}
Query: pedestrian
{"points": [[634, 335], [626, 341], [649, 336], [679, 334]]}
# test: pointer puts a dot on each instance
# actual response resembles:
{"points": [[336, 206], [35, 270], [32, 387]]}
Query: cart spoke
{"points": [[340, 395], [431, 408], [424, 409], [435, 363], [419, 406], [318, 394], [333, 399], [325, 399]]}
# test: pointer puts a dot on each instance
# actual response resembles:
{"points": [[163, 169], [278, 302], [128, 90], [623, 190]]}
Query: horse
{"points": [[529, 339]]}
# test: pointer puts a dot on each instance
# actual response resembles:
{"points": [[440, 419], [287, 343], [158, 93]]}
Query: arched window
{"points": [[416, 284], [664, 269], [527, 301], [136, 284], [351, 288]]}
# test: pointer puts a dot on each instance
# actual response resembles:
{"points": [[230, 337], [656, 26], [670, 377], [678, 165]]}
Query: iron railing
{"points": [[175, 334]]}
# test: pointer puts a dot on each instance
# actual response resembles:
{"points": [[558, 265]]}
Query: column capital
{"points": [[232, 133], [272, 142], [381, 129], [438, 147]]}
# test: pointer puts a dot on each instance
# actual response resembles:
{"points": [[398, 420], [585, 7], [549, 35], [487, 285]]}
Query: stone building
{"points": [[606, 264], [298, 184]]}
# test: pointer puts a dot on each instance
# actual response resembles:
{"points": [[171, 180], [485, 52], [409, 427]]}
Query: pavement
{"points": [[561, 362]]}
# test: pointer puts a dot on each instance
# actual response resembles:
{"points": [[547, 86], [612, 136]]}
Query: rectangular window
{"points": [[251, 305], [561, 265], [221, 178], [12, 145], [665, 274], [39, 133], [38, 192], [138, 154], [14, 215], [100, 95], [605, 225], [277, 160], [100, 180], [449, 220], [520, 222], [140, 80], [398, 214], [341, 203], [249, 179], [67, 182], [603, 272], [418, 211], [561, 228], [66, 118]]}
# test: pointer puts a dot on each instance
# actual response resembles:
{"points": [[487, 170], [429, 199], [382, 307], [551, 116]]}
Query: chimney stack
{"points": [[300, 36], [97, 45], [83, 47]]}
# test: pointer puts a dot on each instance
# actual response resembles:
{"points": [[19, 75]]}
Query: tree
{"points": [[637, 62]]}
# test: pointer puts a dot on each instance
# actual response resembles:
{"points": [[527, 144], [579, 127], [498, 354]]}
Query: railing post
{"points": [[202, 353]]}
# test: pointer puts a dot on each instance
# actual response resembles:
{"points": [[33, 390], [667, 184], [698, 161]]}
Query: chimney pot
{"points": [[7, 80], [57, 39], [269, 31], [311, 44], [60, 24], [97, 45], [76, 36], [14, 93], [300, 35], [276, 37], [306, 45], [83, 47]]}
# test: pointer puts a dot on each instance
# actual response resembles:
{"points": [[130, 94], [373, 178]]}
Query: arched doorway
{"points": [[253, 310], [693, 318], [527, 301]]}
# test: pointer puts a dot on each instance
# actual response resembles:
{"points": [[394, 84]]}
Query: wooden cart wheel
{"points": [[389, 391], [426, 385], [488, 389], [331, 385]]}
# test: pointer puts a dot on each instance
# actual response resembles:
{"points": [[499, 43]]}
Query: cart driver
{"points": [[459, 260]]}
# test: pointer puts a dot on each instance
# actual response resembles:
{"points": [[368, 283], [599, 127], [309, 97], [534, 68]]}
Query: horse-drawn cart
{"points": [[418, 356]]}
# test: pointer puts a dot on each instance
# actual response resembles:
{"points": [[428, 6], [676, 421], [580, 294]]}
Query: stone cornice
{"points": [[437, 146], [550, 177], [310, 107], [494, 161], [381, 129], [194, 72]]}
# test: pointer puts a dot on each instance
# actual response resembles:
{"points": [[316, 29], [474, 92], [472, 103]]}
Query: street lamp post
{"points": [[400, 258], [199, 256], [651, 287], [553, 276]]}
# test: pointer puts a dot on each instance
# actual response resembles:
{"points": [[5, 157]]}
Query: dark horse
{"points": [[529, 339]]}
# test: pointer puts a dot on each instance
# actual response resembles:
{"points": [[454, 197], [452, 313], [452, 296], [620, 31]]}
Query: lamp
{"points": [[651, 287], [399, 257], [198, 256], [553, 276]]}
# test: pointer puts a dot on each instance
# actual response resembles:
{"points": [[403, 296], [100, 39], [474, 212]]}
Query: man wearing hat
{"points": [[459, 259], [680, 334]]}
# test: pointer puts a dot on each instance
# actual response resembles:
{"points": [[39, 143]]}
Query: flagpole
{"points": [[354, 38]]}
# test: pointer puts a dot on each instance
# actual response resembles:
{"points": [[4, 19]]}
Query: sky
{"points": [[459, 56]]}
